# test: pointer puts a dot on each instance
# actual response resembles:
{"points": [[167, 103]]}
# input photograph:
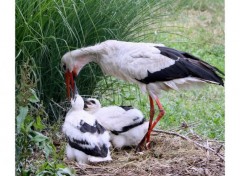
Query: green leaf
{"points": [[47, 148], [45, 172], [26, 172], [33, 98], [39, 137], [38, 124], [21, 117], [65, 171], [28, 128]]}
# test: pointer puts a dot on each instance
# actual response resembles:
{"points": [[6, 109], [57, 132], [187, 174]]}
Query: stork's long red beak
{"points": [[70, 85]]}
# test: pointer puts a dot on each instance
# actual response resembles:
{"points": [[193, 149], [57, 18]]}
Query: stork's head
{"points": [[71, 71], [72, 63], [92, 105]]}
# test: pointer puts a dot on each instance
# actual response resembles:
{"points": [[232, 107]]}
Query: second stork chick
{"points": [[88, 141], [126, 124]]}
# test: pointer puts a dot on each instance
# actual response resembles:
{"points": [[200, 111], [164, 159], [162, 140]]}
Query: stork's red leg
{"points": [[151, 119], [140, 145], [160, 115]]}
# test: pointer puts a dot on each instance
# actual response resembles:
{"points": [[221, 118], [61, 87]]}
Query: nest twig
{"points": [[194, 142]]}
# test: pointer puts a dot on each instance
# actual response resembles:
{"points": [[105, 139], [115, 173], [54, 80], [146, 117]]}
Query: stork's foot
{"points": [[143, 146], [140, 147], [148, 145]]}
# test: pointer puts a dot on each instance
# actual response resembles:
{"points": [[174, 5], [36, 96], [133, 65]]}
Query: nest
{"points": [[169, 155]]}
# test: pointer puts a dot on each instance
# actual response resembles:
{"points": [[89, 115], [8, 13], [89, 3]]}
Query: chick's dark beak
{"points": [[85, 106], [86, 103]]}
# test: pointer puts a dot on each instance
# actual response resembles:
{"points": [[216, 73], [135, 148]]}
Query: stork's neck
{"points": [[91, 52], [86, 55]]}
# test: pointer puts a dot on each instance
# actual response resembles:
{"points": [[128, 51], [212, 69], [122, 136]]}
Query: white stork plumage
{"points": [[127, 125], [153, 67], [88, 141]]}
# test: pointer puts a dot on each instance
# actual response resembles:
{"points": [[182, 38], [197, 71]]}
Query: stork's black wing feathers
{"points": [[96, 128], [128, 127], [100, 128], [190, 56], [126, 108], [84, 146], [186, 65]]}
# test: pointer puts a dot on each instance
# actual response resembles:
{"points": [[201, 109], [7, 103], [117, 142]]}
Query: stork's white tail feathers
{"points": [[186, 83]]}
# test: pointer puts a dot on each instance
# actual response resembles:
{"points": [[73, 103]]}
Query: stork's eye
{"points": [[92, 101]]}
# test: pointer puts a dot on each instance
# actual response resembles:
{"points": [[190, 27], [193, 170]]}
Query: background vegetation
{"points": [[45, 30]]}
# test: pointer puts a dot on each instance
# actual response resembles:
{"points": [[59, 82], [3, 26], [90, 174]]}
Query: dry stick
{"points": [[188, 125], [207, 160], [212, 140], [218, 150], [188, 139]]}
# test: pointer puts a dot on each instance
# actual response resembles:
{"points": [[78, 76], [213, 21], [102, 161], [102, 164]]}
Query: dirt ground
{"points": [[169, 155]]}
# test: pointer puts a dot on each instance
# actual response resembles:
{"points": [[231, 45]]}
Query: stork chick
{"points": [[126, 124], [88, 141]]}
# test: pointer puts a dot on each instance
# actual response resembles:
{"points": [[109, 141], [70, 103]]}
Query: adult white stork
{"points": [[153, 67], [126, 124], [88, 141]]}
